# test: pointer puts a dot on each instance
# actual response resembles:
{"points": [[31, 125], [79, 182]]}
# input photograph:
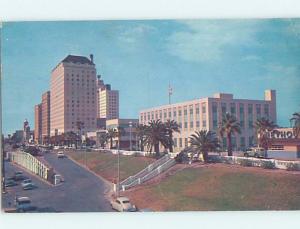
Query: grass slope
{"points": [[221, 187], [106, 164]]}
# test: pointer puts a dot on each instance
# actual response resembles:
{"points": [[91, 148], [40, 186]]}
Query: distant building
{"points": [[73, 95], [207, 113], [38, 123], [107, 101], [45, 117], [26, 131], [129, 136]]}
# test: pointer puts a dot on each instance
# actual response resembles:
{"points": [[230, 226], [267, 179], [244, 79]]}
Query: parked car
{"points": [[255, 152], [60, 154], [23, 204], [122, 204], [29, 186], [25, 182], [10, 183], [20, 177], [18, 173]]}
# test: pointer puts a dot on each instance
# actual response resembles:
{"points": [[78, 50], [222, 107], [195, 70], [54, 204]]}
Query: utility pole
{"points": [[170, 91], [130, 130]]}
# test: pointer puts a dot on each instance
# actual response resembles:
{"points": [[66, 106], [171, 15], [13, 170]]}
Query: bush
{"points": [[292, 167], [268, 165], [181, 158], [245, 162]]}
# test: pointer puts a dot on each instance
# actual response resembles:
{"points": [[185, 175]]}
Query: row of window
{"points": [[184, 142]]}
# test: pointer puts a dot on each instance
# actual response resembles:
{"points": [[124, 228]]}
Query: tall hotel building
{"points": [[73, 95], [207, 113]]}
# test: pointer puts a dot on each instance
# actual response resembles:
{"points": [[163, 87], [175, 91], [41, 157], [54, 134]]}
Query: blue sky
{"points": [[140, 58]]}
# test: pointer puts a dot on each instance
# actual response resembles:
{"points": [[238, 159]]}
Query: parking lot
{"points": [[82, 191]]}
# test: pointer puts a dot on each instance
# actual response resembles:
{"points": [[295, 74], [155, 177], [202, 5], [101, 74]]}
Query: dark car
{"points": [[10, 183], [20, 177]]}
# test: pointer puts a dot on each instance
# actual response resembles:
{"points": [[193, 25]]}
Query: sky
{"points": [[141, 57]]}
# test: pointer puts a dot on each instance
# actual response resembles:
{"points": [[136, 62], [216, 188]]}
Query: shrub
{"points": [[268, 165], [245, 162], [292, 167]]}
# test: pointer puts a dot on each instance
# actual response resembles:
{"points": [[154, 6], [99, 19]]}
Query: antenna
{"points": [[170, 91]]}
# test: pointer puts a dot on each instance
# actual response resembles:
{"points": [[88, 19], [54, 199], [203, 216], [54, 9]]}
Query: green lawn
{"points": [[105, 164], [221, 187]]}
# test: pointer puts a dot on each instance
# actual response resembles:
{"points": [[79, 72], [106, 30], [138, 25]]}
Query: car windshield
{"points": [[126, 202]]}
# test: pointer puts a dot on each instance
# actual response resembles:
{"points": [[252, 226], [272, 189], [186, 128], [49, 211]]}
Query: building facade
{"points": [[128, 139], [206, 114], [73, 95], [45, 117], [38, 123], [108, 102]]}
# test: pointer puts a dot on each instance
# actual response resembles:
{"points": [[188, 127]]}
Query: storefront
{"points": [[284, 143]]}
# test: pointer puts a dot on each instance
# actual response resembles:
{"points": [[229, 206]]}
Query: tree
{"points": [[228, 127], [262, 127], [80, 126], [295, 120], [111, 134], [155, 134], [202, 142], [141, 133], [103, 139], [171, 126]]}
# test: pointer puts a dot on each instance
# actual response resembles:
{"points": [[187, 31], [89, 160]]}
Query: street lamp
{"points": [[130, 130]]}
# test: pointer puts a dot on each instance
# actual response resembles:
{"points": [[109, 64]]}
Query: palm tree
{"points": [[103, 139], [141, 133], [155, 134], [171, 126], [202, 142], [228, 127], [296, 123], [262, 127], [111, 134], [79, 126]]}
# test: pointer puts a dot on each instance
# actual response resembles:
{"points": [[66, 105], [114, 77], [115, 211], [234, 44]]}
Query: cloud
{"points": [[252, 58], [135, 34], [206, 40]]}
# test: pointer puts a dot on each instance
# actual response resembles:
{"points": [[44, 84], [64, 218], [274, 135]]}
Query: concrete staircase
{"points": [[148, 173]]}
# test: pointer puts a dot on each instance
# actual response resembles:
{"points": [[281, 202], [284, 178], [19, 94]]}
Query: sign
{"points": [[281, 134]]}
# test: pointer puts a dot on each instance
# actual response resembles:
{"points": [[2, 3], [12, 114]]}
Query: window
{"points": [[175, 142], [180, 142], [185, 125], [191, 124], [232, 108], [185, 142]]}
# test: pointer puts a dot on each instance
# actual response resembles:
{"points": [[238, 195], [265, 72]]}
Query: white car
{"points": [[25, 182], [122, 204], [60, 154]]}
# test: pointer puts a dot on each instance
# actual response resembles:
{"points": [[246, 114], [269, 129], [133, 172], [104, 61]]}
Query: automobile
{"points": [[60, 154], [18, 173], [10, 183], [20, 177], [122, 204], [25, 182], [23, 204], [29, 186], [257, 152], [56, 147]]}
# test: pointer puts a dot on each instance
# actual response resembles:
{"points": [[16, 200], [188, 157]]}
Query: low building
{"points": [[128, 139], [285, 140]]}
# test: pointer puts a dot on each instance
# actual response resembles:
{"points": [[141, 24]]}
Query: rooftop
{"points": [[77, 59]]}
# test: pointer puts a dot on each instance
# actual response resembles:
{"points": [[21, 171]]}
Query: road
{"points": [[82, 191]]}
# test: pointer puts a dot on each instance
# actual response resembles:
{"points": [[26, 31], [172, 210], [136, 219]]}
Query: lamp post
{"points": [[130, 130]]}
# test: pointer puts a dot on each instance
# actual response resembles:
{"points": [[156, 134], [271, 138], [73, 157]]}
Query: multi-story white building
{"points": [[73, 95], [207, 113]]}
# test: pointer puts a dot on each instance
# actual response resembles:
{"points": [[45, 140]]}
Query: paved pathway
{"points": [[82, 191]]}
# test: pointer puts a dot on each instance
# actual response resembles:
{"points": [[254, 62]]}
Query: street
{"points": [[82, 191]]}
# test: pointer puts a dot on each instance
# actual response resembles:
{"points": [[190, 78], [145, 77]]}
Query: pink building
{"points": [[207, 113], [73, 95], [38, 123]]}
